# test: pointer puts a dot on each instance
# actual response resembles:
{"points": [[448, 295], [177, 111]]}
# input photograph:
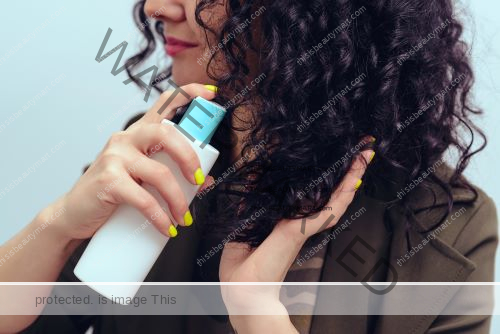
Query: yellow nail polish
{"points": [[212, 88], [199, 177], [372, 139], [371, 157], [358, 184], [188, 218], [172, 231]]}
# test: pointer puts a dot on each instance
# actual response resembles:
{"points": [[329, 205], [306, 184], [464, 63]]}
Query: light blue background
{"points": [[89, 94]]}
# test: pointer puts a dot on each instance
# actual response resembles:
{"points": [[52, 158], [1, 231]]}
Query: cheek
{"points": [[192, 66], [185, 70], [213, 17], [193, 25]]}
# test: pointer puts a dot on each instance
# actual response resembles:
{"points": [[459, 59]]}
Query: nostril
{"points": [[155, 10]]}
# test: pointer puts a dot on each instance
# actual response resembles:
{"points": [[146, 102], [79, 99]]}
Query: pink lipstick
{"points": [[173, 46]]}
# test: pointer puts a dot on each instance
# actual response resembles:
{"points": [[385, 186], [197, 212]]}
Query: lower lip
{"points": [[173, 50]]}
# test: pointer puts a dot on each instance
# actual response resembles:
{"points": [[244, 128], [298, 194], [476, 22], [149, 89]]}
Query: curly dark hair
{"points": [[394, 69]]}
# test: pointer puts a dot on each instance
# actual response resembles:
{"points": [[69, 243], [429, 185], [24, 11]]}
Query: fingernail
{"points": [[371, 157], [372, 139], [358, 184], [188, 218], [199, 177], [212, 88], [172, 231]]}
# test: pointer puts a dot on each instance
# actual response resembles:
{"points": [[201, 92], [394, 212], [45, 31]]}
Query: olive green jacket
{"points": [[463, 252]]}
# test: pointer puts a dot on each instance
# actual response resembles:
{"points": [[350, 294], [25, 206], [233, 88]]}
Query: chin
{"points": [[186, 71]]}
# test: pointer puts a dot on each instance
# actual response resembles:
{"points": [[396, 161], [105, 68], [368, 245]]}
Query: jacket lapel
{"points": [[447, 265]]}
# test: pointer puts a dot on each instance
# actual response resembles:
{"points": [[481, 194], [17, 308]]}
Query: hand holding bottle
{"points": [[115, 177]]}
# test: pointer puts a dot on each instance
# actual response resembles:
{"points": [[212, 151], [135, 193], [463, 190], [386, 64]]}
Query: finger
{"points": [[131, 193], [357, 170], [160, 177], [342, 197], [275, 255], [209, 180], [152, 138], [172, 99], [344, 194]]}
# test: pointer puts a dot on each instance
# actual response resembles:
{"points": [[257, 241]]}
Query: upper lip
{"points": [[176, 41]]}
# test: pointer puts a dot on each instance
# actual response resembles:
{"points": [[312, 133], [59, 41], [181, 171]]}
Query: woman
{"points": [[321, 86]]}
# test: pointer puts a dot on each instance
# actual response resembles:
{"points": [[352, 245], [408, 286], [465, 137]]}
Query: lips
{"points": [[174, 46]]}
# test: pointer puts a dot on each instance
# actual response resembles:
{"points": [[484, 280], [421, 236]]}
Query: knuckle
{"points": [[163, 131], [158, 133], [163, 173], [145, 204], [186, 155], [108, 175], [110, 161], [117, 137], [110, 169]]}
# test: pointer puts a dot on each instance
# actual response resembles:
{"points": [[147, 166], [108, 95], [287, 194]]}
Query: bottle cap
{"points": [[202, 119]]}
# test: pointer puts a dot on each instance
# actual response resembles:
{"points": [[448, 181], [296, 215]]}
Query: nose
{"points": [[165, 10]]}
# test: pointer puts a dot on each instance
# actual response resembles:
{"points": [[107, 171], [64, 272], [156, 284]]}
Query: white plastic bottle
{"points": [[125, 248]]}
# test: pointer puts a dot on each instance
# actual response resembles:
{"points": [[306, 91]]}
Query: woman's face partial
{"points": [[186, 42]]}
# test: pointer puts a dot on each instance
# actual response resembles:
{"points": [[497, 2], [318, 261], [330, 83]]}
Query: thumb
{"points": [[170, 100]]}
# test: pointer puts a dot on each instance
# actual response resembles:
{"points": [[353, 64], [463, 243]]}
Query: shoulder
{"points": [[475, 235], [471, 221], [479, 224]]}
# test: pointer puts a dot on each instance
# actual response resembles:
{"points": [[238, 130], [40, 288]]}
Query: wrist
{"points": [[250, 324], [53, 219], [292, 236], [269, 316]]}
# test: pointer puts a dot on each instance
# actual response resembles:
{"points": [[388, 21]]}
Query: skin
{"points": [[42, 260], [180, 23]]}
